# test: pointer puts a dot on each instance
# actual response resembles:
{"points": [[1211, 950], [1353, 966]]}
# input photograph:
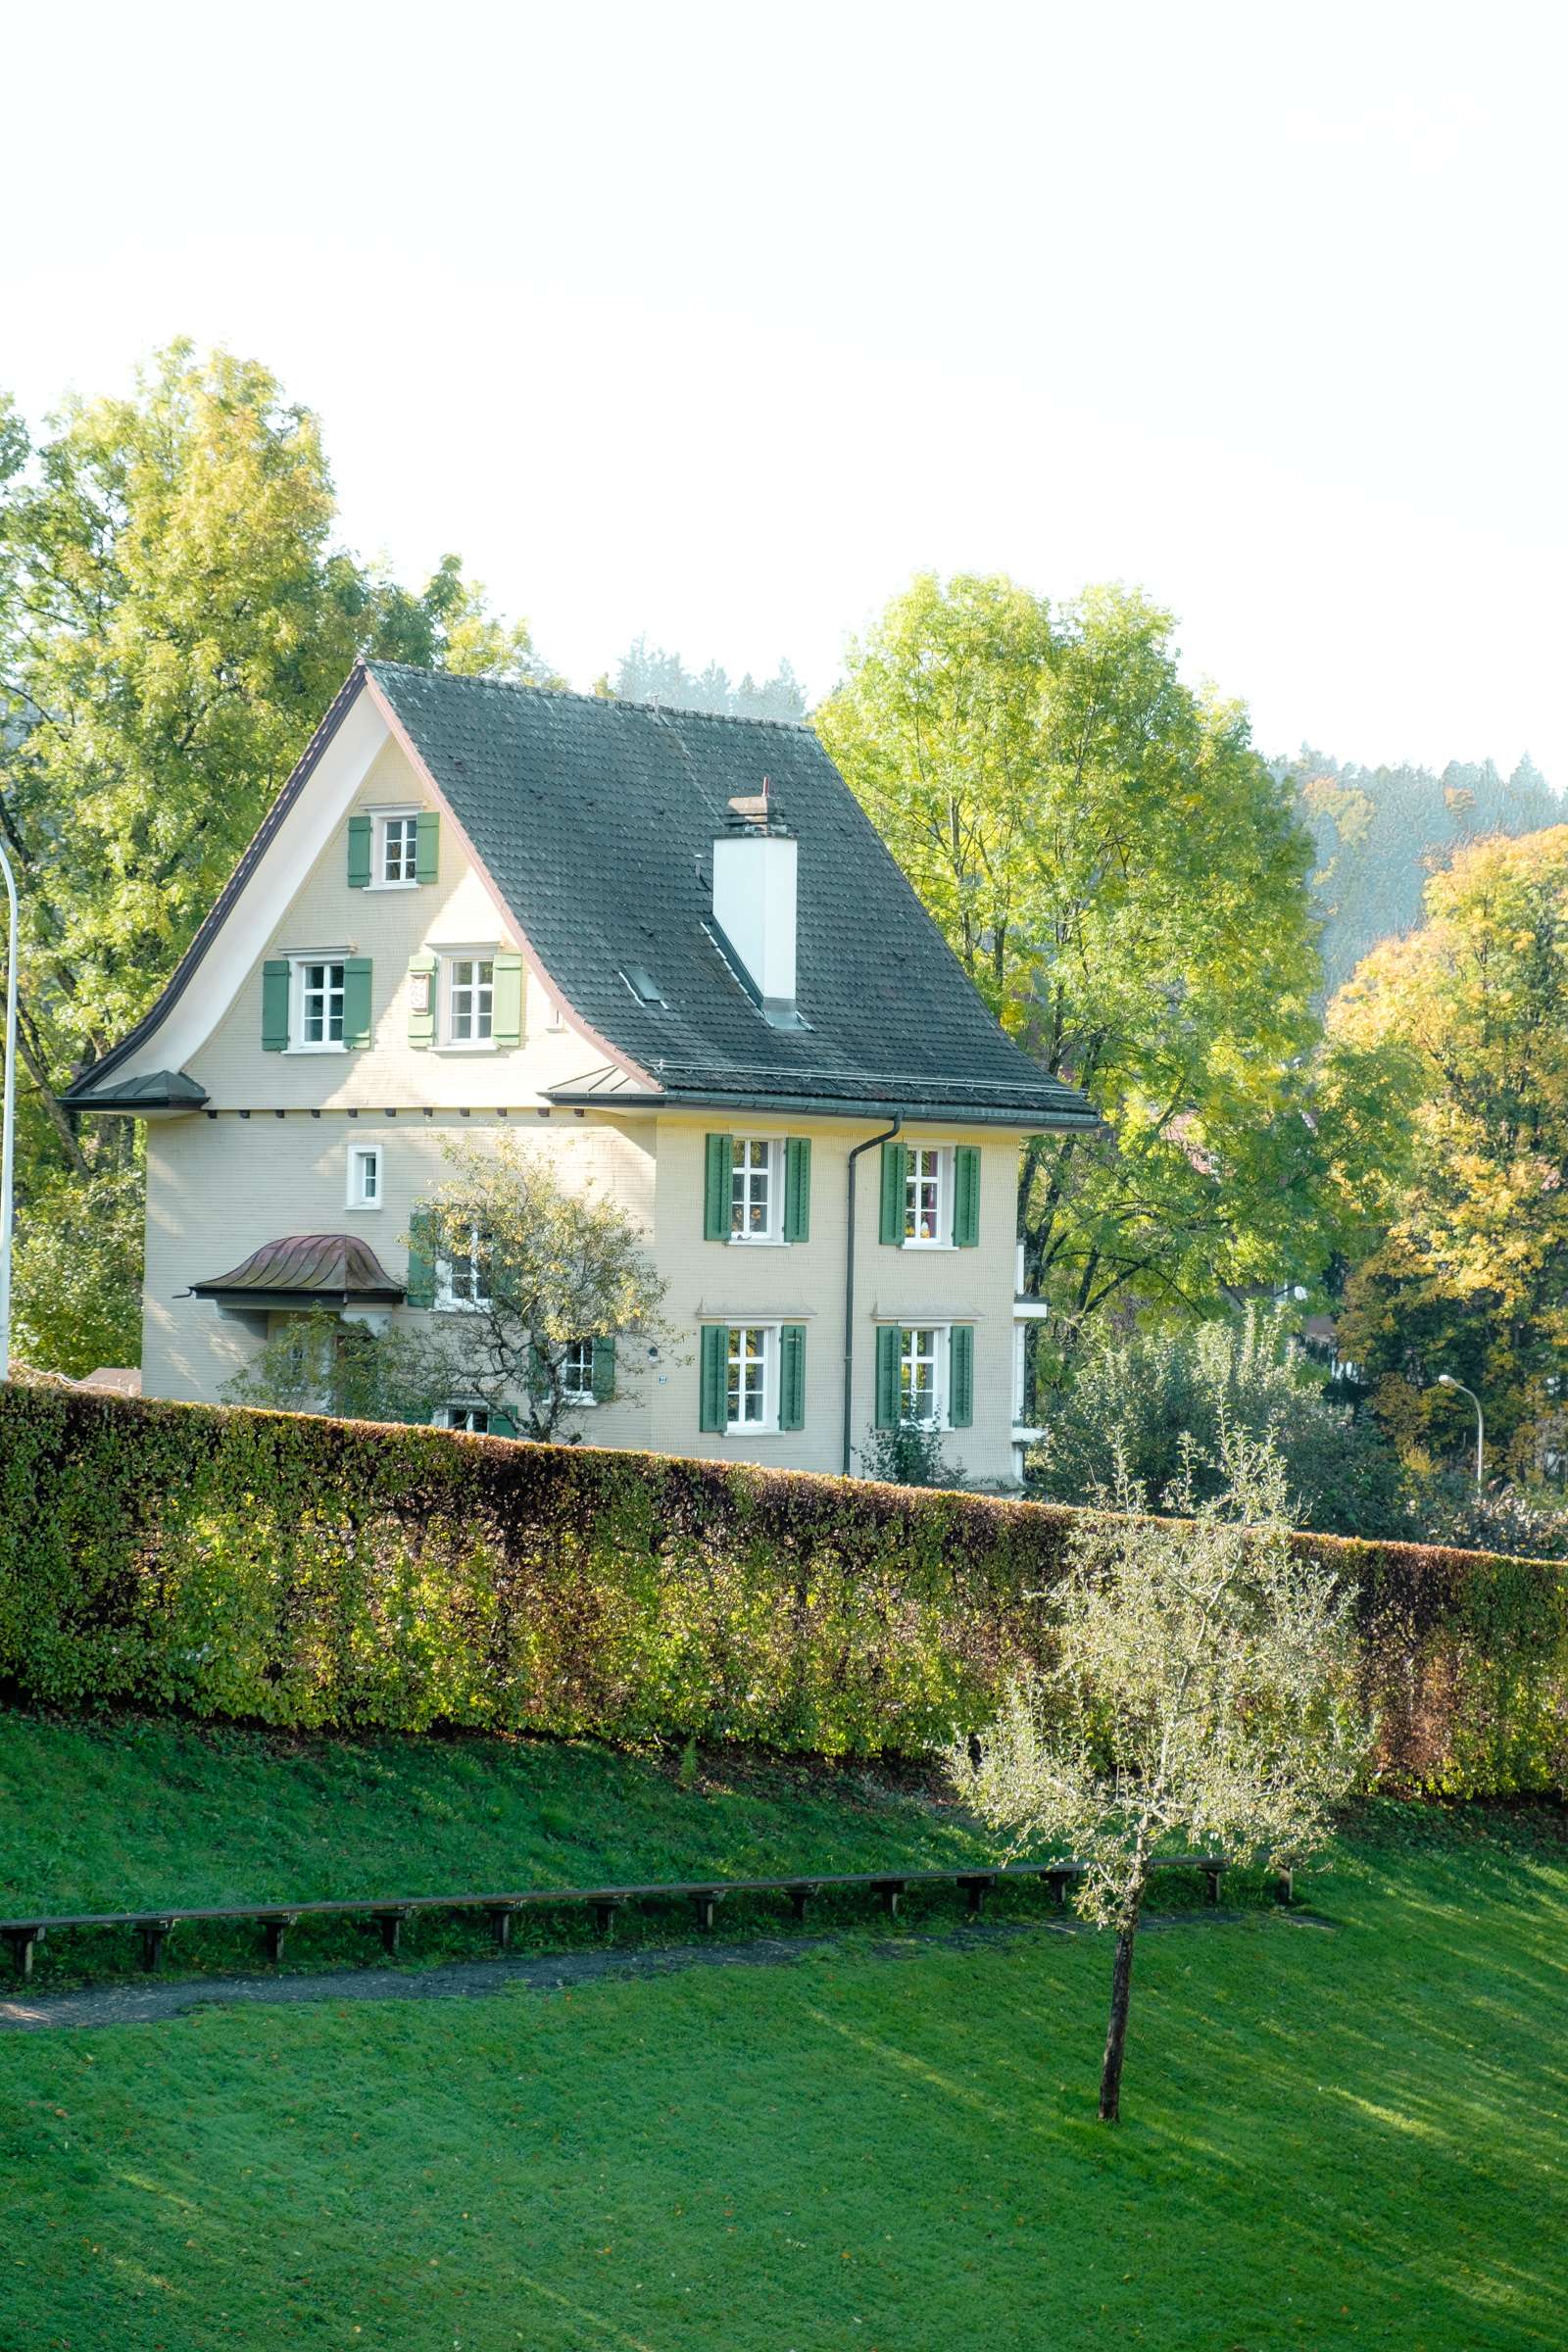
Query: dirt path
{"points": [[151, 2001]]}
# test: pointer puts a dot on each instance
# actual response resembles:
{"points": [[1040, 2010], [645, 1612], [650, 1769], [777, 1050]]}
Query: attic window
{"points": [[643, 987]]}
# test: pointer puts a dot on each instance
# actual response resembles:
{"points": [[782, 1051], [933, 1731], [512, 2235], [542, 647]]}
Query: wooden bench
{"points": [[388, 1915]]}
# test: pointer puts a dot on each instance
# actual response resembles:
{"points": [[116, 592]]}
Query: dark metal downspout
{"points": [[869, 1144]]}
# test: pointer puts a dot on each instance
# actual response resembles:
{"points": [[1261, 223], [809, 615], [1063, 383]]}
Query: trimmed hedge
{"points": [[309, 1573]]}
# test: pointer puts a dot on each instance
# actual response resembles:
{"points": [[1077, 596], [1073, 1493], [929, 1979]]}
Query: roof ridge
{"points": [[569, 694]]}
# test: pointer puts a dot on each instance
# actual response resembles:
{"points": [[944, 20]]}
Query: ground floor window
{"points": [[473, 1418], [921, 1351], [751, 1350], [577, 1373]]}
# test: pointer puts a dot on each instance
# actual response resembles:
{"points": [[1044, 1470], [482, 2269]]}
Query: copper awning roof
{"points": [[329, 1268]]}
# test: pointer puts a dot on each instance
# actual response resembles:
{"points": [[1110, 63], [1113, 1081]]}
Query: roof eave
{"points": [[909, 1106]]}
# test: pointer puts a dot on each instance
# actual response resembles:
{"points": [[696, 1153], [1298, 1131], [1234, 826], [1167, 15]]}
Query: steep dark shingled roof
{"points": [[596, 820]]}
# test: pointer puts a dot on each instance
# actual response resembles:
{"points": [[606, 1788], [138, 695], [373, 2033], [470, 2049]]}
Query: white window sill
{"points": [[412, 884], [928, 1246], [334, 1044], [580, 1403], [460, 1306], [758, 1240], [759, 1429], [466, 1045], [363, 1208]]}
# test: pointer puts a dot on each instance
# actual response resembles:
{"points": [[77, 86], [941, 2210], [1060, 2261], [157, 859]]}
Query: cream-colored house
{"points": [[666, 947]]}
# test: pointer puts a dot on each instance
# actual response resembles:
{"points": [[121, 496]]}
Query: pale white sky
{"points": [[718, 321]]}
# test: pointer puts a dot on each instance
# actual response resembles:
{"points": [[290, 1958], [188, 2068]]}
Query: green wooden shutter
{"points": [[505, 998], [358, 852], [421, 1025], [797, 1187], [960, 1376], [792, 1376], [888, 1384], [421, 1278], [715, 1190], [357, 1000], [966, 1196], [275, 1005], [893, 1172], [502, 1421], [713, 1400], [604, 1376], [427, 845]]}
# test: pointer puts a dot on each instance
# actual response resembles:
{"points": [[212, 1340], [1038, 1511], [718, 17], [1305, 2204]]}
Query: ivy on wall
{"points": [[307, 1572]]}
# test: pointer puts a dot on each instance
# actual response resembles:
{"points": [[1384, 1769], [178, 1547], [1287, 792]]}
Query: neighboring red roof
{"points": [[309, 1265], [113, 1379]]}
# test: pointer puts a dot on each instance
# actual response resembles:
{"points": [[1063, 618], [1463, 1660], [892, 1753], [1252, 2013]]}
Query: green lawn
{"points": [[128, 1815], [1334, 2136]]}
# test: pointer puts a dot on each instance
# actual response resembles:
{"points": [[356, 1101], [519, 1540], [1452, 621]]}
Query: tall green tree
{"points": [[1125, 883], [175, 615]]}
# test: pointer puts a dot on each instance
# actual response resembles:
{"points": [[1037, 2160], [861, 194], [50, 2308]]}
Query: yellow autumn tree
{"points": [[1453, 1040]]}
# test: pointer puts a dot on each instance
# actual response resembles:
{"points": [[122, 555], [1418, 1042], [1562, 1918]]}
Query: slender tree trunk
{"points": [[1121, 1995]]}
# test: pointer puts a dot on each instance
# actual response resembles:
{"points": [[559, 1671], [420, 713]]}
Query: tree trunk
{"points": [[1121, 1994]]}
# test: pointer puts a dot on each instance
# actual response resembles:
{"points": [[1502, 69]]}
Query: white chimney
{"points": [[754, 899]]}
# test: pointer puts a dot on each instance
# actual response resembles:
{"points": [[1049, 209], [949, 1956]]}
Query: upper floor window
{"points": [[319, 1004], [925, 1195], [931, 1195], [577, 1373], [462, 1275], [398, 847], [469, 997], [754, 1190]]}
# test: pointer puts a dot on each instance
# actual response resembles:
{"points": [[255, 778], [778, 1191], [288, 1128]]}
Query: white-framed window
{"points": [[318, 1004], [396, 849], [473, 1418], [365, 1176], [927, 1196], [756, 1187], [752, 1393], [577, 1373], [463, 1277], [467, 998], [922, 1374]]}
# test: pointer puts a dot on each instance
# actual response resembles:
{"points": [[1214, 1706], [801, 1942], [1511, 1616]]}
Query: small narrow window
{"points": [[319, 999], [400, 850], [577, 1373], [365, 1176], [470, 999], [750, 1352]]}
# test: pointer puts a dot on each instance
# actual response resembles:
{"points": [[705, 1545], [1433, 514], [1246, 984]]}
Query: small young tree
{"points": [[543, 1270], [910, 1455], [1201, 1691], [320, 1363]]}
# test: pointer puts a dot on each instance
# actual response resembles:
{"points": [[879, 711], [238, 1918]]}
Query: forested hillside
{"points": [[1380, 832]]}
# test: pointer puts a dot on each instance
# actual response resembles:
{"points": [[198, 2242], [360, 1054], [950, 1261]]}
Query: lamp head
{"points": [[1446, 1380]]}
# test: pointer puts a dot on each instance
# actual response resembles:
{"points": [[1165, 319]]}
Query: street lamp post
{"points": [[8, 1117], [1446, 1380]]}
